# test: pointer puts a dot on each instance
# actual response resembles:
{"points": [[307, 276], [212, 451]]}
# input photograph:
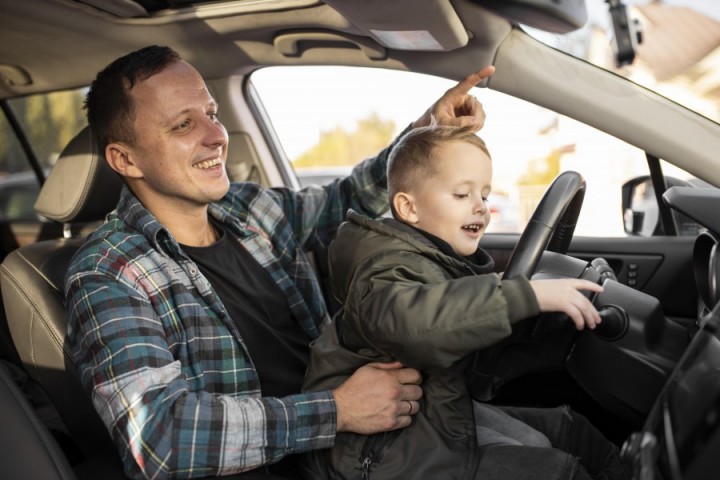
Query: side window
{"points": [[17, 183], [329, 118], [48, 122]]}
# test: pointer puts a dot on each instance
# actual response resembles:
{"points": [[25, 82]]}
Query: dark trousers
{"points": [[579, 451]]}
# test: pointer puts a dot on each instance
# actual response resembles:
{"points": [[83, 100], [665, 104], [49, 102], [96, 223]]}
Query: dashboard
{"points": [[681, 436]]}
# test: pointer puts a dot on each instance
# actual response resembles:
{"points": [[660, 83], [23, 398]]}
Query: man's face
{"points": [[180, 147], [452, 203]]}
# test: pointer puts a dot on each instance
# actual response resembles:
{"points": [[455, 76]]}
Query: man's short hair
{"points": [[412, 160], [110, 108]]}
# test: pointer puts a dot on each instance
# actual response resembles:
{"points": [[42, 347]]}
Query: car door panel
{"points": [[658, 266]]}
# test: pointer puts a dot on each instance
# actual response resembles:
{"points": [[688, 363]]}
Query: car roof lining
{"points": [[55, 37], [159, 9]]}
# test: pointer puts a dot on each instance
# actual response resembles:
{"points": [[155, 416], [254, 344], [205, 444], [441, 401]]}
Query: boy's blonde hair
{"points": [[412, 160]]}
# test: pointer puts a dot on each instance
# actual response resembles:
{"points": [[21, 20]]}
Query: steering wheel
{"points": [[551, 226]]}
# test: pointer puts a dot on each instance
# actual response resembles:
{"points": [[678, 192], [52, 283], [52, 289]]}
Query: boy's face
{"points": [[452, 203]]}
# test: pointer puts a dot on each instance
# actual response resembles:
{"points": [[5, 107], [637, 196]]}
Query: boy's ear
{"points": [[121, 159], [404, 205]]}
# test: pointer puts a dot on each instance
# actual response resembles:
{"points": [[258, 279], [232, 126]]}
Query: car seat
{"points": [[27, 448], [80, 189]]}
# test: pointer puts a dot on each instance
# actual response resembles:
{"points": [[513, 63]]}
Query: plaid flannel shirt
{"points": [[167, 370]]}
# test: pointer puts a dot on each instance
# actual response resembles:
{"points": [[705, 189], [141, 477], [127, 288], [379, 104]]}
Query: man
{"points": [[191, 309]]}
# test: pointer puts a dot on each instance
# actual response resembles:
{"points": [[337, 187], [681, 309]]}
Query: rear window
{"points": [[48, 122]]}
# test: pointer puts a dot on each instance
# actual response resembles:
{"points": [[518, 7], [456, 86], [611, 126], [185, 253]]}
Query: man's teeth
{"points": [[473, 227], [207, 164]]}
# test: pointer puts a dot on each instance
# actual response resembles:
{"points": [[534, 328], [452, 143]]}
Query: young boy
{"points": [[417, 289]]}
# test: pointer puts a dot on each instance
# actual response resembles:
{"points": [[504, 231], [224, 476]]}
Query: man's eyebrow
{"points": [[173, 117]]}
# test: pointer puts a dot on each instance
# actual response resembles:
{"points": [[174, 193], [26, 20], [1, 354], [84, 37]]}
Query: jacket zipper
{"points": [[373, 451]]}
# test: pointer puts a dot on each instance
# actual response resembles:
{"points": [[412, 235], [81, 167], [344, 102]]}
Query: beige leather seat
{"points": [[80, 189]]}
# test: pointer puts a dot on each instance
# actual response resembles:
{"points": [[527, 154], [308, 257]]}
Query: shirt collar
{"points": [[133, 213]]}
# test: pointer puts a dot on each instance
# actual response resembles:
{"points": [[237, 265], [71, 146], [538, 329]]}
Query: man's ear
{"points": [[404, 205], [121, 159]]}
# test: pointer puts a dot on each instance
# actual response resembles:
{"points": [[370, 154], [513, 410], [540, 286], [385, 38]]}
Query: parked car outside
{"points": [[321, 175]]}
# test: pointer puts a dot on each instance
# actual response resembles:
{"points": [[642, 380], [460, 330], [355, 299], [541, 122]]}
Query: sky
{"points": [[343, 100]]}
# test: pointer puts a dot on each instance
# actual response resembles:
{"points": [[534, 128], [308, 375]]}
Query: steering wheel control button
{"points": [[632, 274], [614, 323], [636, 270], [604, 268]]}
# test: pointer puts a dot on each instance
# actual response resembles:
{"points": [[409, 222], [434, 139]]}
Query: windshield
{"points": [[670, 46]]}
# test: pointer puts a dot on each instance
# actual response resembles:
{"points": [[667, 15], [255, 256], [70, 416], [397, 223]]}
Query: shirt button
{"points": [[193, 271]]}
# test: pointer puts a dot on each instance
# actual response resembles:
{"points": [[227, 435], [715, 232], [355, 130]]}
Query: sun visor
{"points": [[403, 24], [557, 16]]}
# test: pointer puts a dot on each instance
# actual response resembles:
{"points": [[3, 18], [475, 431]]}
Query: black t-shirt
{"points": [[277, 344]]}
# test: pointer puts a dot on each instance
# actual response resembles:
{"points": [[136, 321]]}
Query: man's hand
{"points": [[456, 107], [563, 295], [378, 397]]}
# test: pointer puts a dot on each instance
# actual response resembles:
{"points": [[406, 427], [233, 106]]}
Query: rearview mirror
{"points": [[557, 16], [640, 207]]}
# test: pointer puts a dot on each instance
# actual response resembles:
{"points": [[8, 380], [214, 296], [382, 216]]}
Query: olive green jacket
{"points": [[404, 299]]}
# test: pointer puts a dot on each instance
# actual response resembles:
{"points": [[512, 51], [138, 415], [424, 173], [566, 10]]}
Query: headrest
{"points": [[81, 187]]}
